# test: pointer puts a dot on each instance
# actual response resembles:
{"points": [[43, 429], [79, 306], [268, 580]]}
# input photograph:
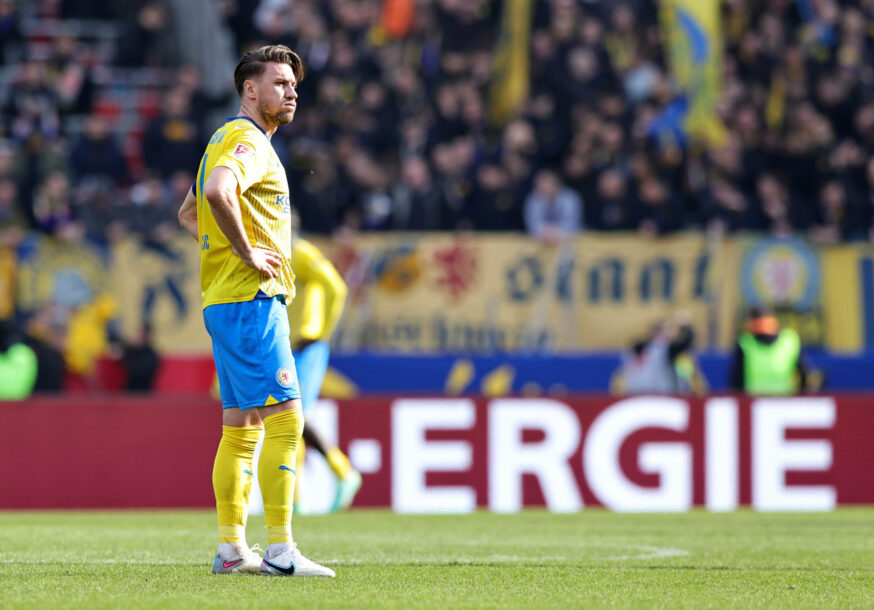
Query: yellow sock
{"points": [[298, 469], [339, 463], [276, 473], [232, 480]]}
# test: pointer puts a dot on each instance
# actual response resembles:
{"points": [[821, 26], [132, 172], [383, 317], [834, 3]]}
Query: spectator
{"points": [[140, 361], [869, 197], [795, 103], [768, 359], [657, 211], [11, 216], [836, 216], [95, 154], [417, 203], [146, 39], [775, 204], [18, 365], [46, 335], [10, 33], [726, 206], [87, 336], [651, 366], [190, 79], [552, 211], [155, 205], [172, 141], [612, 209], [491, 205], [91, 9], [52, 204], [32, 105], [70, 72], [102, 216]]}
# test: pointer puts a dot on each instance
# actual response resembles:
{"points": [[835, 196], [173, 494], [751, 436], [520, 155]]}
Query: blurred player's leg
{"points": [[312, 364], [348, 479]]}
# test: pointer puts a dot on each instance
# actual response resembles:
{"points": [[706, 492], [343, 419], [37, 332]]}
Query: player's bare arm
{"points": [[188, 214], [220, 191]]}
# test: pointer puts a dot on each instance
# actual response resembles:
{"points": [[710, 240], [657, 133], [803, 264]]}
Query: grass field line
{"points": [[643, 552], [646, 552]]}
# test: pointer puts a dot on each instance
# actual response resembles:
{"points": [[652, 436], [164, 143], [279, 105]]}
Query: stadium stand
{"points": [[395, 110], [399, 129]]}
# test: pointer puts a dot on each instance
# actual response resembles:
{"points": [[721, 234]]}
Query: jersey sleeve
{"points": [[242, 156], [324, 291]]}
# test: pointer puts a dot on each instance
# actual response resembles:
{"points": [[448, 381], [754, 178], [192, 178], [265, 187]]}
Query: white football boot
{"points": [[237, 559], [291, 562]]}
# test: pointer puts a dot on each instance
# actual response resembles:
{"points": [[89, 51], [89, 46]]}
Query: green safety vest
{"points": [[17, 372], [769, 369]]}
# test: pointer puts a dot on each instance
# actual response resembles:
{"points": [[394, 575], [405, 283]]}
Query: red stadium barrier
{"points": [[454, 454], [108, 452]]}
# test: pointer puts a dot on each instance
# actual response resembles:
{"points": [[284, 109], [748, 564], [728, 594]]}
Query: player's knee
{"points": [[287, 423]]}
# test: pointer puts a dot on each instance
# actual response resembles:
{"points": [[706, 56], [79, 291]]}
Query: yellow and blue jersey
{"points": [[321, 295], [242, 146]]}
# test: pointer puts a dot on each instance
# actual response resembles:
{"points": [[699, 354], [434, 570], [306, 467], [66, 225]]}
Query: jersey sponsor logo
{"points": [[283, 202], [243, 152], [284, 378]]}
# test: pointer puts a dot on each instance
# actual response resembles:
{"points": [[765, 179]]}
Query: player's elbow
{"points": [[219, 191], [213, 192]]}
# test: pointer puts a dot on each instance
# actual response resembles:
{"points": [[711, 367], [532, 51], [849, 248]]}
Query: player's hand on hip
{"points": [[265, 261]]}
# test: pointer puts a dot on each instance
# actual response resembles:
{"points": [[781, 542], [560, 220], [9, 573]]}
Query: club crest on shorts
{"points": [[283, 377]]}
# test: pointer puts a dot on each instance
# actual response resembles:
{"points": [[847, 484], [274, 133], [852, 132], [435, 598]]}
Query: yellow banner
{"points": [[450, 293], [848, 297], [444, 292], [58, 274], [161, 286]]}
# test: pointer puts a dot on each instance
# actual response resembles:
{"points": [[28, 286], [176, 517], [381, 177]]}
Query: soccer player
{"points": [[313, 317], [238, 209]]}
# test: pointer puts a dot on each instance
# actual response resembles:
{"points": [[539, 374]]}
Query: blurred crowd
{"points": [[104, 117], [393, 130]]}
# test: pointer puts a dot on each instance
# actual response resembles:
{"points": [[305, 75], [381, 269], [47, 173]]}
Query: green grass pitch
{"points": [[533, 559]]}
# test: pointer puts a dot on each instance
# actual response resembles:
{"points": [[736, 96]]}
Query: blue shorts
{"points": [[312, 364], [252, 352]]}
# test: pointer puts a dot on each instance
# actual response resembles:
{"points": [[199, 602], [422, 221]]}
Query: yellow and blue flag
{"points": [[693, 32]]}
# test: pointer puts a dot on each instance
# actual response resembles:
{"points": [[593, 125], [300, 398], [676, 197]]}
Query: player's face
{"points": [[276, 95]]}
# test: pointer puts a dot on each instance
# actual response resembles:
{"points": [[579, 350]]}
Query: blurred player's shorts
{"points": [[312, 364]]}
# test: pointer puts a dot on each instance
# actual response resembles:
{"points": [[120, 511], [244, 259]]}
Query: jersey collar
{"points": [[234, 118]]}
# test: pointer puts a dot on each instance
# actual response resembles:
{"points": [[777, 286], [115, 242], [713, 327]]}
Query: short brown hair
{"points": [[251, 65]]}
